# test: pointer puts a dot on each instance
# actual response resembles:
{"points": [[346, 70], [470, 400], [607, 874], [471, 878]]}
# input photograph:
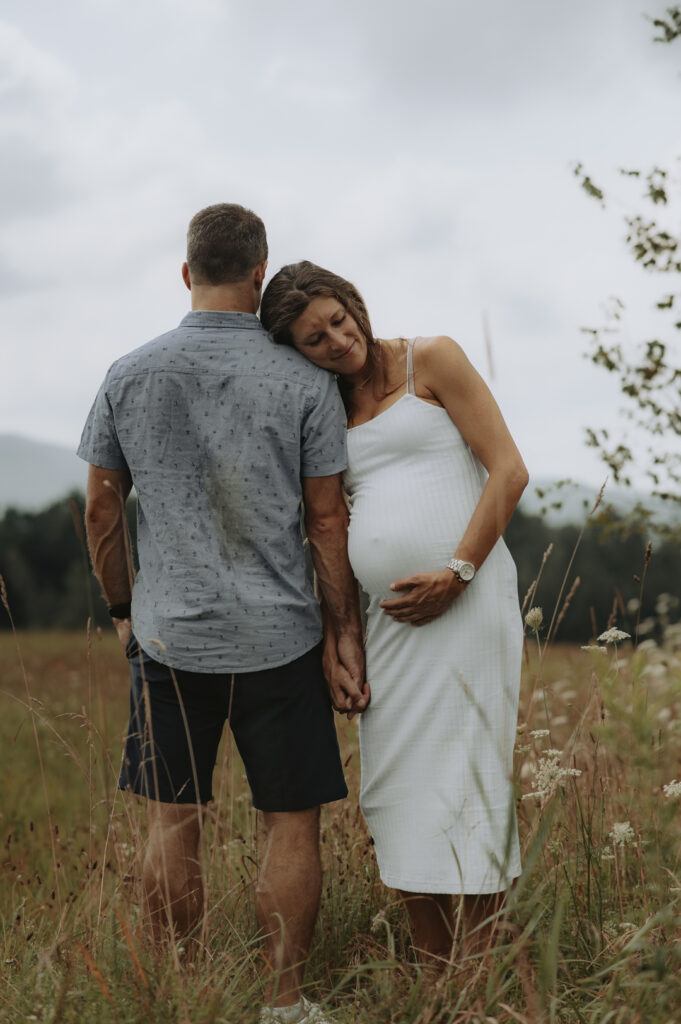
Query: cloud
{"points": [[35, 89]]}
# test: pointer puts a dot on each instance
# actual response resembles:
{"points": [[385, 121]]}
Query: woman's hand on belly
{"points": [[424, 597]]}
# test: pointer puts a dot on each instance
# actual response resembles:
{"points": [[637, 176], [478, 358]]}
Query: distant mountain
{"points": [[570, 502], [35, 473]]}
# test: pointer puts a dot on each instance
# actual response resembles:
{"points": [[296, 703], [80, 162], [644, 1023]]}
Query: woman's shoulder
{"points": [[437, 346]]}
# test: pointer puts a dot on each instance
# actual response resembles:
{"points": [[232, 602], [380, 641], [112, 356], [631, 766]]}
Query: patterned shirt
{"points": [[217, 425]]}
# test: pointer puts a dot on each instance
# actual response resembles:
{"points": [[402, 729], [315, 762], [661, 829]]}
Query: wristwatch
{"points": [[464, 571]]}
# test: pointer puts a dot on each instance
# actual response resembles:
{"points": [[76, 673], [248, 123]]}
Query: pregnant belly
{"points": [[392, 538]]}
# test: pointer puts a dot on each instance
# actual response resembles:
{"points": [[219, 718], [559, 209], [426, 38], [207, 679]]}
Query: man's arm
{"points": [[326, 523], [105, 524]]}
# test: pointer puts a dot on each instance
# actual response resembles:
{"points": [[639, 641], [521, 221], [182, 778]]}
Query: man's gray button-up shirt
{"points": [[217, 425]]}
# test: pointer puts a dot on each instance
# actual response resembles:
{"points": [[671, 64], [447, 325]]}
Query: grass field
{"points": [[594, 923]]}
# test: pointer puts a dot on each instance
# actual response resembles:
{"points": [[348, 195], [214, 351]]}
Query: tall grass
{"points": [[593, 924]]}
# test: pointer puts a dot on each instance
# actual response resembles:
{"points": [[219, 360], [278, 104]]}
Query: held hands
{"points": [[425, 596], [343, 662]]}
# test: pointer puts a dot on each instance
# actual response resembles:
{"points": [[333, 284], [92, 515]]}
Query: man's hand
{"points": [[124, 629], [344, 670], [425, 597]]}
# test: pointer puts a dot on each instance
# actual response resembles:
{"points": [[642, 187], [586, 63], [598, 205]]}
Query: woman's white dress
{"points": [[437, 739]]}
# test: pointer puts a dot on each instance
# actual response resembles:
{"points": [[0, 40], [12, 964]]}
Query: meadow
{"points": [[592, 931]]}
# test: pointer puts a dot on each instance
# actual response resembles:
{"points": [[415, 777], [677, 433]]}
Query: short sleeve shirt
{"points": [[217, 425]]}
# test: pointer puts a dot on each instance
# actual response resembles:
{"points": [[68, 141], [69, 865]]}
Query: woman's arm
{"points": [[444, 374]]}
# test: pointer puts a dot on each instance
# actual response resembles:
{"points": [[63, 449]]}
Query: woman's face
{"points": [[328, 336]]}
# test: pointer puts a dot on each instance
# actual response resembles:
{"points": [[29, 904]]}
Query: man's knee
{"points": [[292, 825]]}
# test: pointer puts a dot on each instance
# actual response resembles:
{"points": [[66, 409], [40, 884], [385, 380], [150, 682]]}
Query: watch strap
{"points": [[120, 611]]}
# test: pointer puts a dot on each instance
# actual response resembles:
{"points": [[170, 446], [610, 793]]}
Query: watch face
{"points": [[466, 571]]}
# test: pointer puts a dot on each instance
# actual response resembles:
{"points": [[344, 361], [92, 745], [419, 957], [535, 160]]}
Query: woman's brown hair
{"points": [[290, 292]]}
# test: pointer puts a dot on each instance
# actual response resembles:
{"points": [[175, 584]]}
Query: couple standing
{"points": [[224, 429]]}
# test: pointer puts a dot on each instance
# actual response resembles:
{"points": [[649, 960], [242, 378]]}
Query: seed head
{"points": [[534, 619]]}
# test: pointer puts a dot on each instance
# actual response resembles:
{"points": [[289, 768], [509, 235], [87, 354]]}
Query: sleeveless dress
{"points": [[437, 740]]}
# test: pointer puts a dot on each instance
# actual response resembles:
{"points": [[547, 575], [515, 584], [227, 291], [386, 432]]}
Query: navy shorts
{"points": [[281, 719]]}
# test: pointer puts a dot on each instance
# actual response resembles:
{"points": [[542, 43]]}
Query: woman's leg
{"points": [[480, 921], [432, 925], [430, 916]]}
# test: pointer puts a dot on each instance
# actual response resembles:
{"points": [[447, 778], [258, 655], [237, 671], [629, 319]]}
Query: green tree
{"points": [[649, 374]]}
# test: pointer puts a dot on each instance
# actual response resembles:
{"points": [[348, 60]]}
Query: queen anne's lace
{"points": [[548, 775], [614, 636], [622, 833]]}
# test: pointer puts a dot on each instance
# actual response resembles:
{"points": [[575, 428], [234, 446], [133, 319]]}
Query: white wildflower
{"points": [[522, 748], [534, 618], [607, 855], [672, 789], [539, 734], [553, 753], [633, 605], [548, 775], [594, 647], [622, 833], [657, 671], [665, 603], [614, 636]]}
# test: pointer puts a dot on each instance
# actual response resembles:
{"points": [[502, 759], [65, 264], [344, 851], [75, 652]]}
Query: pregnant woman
{"points": [[433, 477]]}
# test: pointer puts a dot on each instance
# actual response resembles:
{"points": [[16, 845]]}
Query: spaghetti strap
{"points": [[410, 366]]}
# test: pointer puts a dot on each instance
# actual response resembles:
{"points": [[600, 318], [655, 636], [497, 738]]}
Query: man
{"points": [[223, 434]]}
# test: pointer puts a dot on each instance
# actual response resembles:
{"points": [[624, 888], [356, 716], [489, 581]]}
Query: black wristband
{"points": [[120, 611]]}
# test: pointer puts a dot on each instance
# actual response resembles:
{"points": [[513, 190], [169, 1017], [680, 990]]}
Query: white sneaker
{"points": [[311, 1013]]}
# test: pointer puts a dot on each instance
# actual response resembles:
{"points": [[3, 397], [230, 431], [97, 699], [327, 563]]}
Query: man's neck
{"points": [[224, 299]]}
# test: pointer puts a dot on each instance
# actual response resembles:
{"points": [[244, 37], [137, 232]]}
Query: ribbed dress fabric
{"points": [[437, 740]]}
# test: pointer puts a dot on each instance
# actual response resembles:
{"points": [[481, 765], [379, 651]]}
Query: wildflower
{"points": [[622, 833], [664, 604], [672, 789], [614, 636], [539, 734], [553, 753], [607, 855], [522, 748], [594, 647], [548, 776], [534, 619]]}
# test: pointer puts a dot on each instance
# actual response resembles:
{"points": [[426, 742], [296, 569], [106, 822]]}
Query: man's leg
{"points": [[287, 897], [171, 870]]}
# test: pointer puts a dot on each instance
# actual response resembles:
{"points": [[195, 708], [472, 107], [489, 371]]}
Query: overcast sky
{"points": [[422, 149]]}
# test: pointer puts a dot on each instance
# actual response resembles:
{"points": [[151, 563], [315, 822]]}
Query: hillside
{"points": [[35, 473]]}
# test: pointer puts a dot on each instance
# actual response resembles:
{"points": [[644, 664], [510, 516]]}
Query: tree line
{"points": [[49, 582]]}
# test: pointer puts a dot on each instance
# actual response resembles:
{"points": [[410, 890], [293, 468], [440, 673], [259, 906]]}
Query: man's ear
{"points": [[185, 276], [259, 274]]}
